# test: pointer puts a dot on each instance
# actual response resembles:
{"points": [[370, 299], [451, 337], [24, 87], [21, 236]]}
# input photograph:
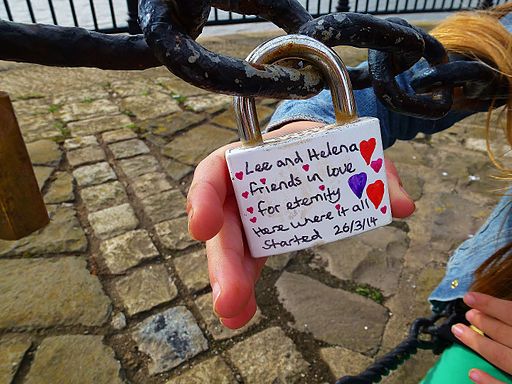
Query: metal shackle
{"points": [[313, 52]]}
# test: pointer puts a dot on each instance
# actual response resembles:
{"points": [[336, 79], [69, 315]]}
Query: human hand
{"points": [[494, 318], [214, 218]]}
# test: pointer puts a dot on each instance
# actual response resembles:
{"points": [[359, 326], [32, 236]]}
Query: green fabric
{"points": [[454, 365]]}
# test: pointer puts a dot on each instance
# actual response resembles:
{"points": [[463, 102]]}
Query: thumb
{"points": [[401, 203]]}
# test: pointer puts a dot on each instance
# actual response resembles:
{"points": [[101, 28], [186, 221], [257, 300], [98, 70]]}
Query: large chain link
{"points": [[170, 28]]}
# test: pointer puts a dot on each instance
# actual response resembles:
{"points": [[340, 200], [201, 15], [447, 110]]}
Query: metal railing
{"points": [[113, 16]]}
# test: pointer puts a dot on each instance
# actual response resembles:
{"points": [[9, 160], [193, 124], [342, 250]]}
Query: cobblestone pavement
{"points": [[114, 290]]}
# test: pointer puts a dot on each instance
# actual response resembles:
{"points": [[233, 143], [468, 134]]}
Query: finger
{"points": [[243, 317], [232, 270], [491, 306], [401, 203], [205, 200], [480, 377], [493, 352], [495, 329]]}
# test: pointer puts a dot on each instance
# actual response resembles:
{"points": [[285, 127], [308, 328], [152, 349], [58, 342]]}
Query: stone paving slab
{"points": [[359, 329], [174, 234], [128, 250], [145, 288], [268, 357], [113, 221], [169, 338], [95, 174], [74, 359], [205, 139], [13, 348], [103, 196], [212, 371], [50, 293], [60, 190]]}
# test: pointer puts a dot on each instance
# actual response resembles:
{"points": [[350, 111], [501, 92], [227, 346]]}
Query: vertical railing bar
{"points": [[230, 16], [387, 6], [52, 11], [8, 10], [366, 9], [216, 14], [112, 13], [406, 5], [31, 11], [93, 13], [307, 5], [73, 12], [357, 6], [318, 8], [330, 6]]}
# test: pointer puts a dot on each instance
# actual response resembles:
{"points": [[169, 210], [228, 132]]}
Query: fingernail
{"points": [[458, 330], [215, 294], [470, 299], [475, 375]]}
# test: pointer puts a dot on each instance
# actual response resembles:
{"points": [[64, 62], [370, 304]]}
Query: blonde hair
{"points": [[481, 36]]}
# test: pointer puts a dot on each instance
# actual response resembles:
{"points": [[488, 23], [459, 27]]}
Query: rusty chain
{"points": [[170, 28]]}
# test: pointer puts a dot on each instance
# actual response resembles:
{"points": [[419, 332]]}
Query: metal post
{"points": [[133, 13], [343, 6]]}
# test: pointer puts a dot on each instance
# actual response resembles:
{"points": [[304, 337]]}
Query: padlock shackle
{"points": [[314, 52]]}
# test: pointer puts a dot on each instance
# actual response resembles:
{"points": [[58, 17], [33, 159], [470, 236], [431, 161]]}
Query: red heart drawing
{"points": [[263, 180], [239, 175], [245, 194], [367, 148], [338, 206], [376, 165], [375, 192], [253, 219], [322, 187], [250, 209], [384, 209], [305, 167]]}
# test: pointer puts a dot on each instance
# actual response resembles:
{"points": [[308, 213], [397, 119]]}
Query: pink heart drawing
{"points": [[338, 207], [384, 209], [250, 209], [305, 167], [263, 180], [376, 165], [322, 187], [239, 175], [245, 194], [253, 219]]}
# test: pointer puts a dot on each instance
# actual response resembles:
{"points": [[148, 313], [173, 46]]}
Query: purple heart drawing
{"points": [[376, 165], [357, 183]]}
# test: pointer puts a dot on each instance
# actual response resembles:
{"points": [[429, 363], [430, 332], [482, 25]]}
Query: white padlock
{"points": [[312, 187]]}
